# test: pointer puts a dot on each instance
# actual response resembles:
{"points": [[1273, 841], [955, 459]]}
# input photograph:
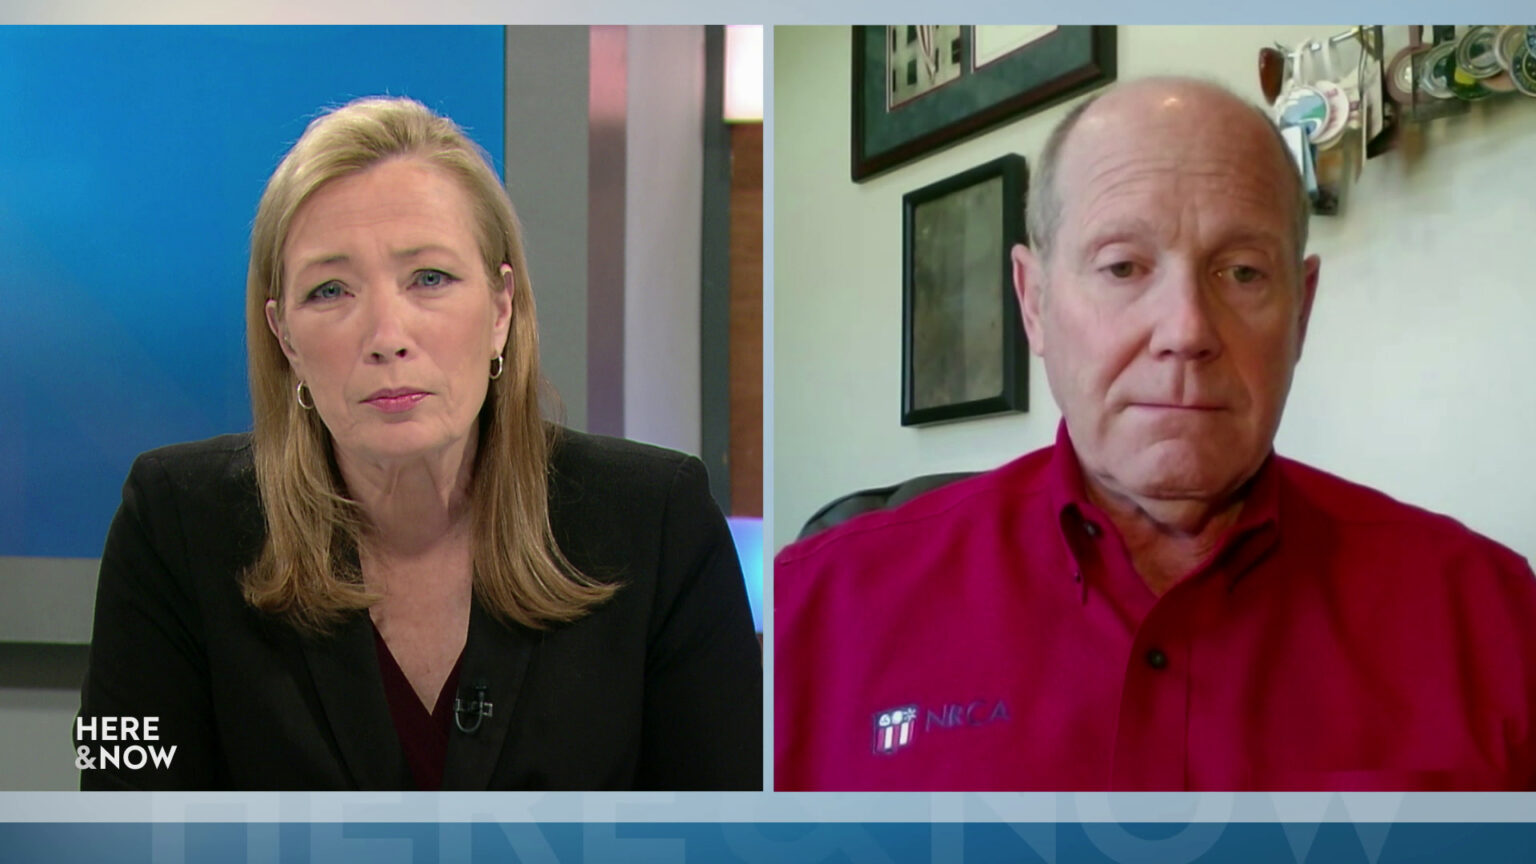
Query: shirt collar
{"points": [[1248, 540], [1066, 475]]}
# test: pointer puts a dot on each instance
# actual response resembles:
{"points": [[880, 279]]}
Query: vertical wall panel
{"points": [[606, 201], [547, 133], [746, 364], [665, 140]]}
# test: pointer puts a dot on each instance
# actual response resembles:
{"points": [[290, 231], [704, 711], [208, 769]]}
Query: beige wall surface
{"points": [[1417, 373]]}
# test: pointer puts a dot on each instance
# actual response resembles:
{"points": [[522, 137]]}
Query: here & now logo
{"points": [[120, 742]]}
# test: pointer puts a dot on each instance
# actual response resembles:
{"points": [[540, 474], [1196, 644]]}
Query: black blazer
{"points": [[660, 688]]}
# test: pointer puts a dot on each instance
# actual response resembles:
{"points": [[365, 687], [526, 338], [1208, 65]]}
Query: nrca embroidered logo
{"points": [[894, 728]]}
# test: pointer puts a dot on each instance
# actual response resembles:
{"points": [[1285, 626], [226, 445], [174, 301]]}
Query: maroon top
{"points": [[993, 634], [423, 736]]}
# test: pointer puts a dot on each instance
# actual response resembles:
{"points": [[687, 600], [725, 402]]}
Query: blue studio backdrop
{"points": [[131, 162]]}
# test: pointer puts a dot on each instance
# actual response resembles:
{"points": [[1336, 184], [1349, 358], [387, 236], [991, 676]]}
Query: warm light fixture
{"points": [[744, 73]]}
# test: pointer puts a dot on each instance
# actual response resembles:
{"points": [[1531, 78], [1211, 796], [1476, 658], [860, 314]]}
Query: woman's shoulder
{"points": [[609, 481], [578, 456], [215, 467], [195, 509]]}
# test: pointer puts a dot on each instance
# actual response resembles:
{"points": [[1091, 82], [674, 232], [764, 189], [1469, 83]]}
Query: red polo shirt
{"points": [[992, 635]]}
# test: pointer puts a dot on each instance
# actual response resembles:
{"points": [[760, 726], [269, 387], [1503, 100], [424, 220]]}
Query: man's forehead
{"points": [[1223, 180], [1166, 122], [1166, 97], [1172, 116], [1154, 147], [1205, 216]]}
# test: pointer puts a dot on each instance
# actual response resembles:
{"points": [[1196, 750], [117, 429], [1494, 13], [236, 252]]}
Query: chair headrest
{"points": [[842, 509]]}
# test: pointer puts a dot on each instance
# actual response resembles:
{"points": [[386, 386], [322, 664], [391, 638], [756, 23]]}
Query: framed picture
{"points": [[918, 88], [963, 349]]}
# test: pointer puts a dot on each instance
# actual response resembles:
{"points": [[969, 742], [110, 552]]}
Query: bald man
{"points": [[1157, 601]]}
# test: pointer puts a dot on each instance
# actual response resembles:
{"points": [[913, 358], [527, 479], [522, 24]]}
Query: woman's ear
{"points": [[280, 332], [502, 301]]}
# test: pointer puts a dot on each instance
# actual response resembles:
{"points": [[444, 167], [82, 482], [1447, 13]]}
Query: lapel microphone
{"points": [[467, 715]]}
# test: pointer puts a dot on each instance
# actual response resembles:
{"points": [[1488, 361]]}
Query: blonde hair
{"points": [[308, 569]]}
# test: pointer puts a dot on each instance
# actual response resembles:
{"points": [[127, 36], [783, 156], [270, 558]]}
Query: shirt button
{"points": [[1157, 659], [1091, 528]]}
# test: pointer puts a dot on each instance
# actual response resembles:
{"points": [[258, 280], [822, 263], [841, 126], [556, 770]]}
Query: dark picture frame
{"points": [[963, 347], [1067, 62]]}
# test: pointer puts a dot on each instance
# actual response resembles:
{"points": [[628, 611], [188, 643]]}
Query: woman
{"points": [[404, 578]]}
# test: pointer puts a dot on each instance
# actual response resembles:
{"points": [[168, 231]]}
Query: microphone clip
{"points": [[467, 716]]}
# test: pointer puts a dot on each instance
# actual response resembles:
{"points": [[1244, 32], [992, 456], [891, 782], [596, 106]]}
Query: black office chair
{"points": [[842, 509]]}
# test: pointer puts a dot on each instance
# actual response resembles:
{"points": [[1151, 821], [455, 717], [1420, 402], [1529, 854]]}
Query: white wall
{"points": [[1416, 374], [663, 211]]}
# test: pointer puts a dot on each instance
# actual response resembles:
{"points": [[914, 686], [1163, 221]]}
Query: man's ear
{"points": [[1029, 288], [1311, 268]]}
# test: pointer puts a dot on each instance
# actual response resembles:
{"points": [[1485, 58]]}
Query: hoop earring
{"points": [[299, 392], [497, 364]]}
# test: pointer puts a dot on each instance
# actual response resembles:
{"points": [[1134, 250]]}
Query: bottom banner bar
{"points": [[950, 843]]}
